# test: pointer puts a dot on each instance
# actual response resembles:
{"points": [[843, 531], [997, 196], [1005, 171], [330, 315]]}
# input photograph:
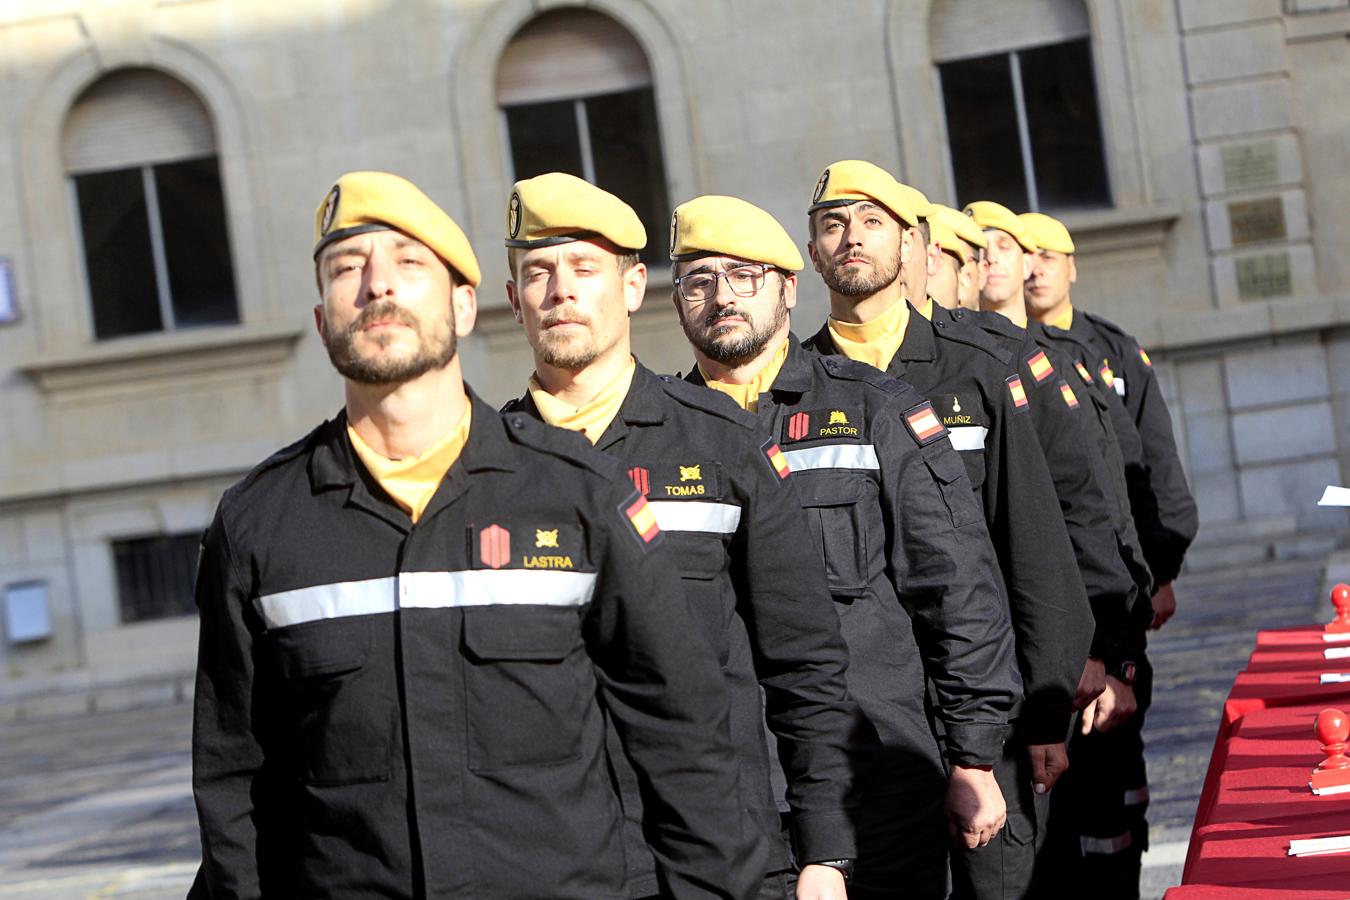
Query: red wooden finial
{"points": [[1332, 730], [1340, 598]]}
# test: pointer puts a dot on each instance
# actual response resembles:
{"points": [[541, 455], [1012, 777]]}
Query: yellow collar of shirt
{"points": [[412, 481], [747, 395], [593, 416], [1063, 320], [875, 342]]}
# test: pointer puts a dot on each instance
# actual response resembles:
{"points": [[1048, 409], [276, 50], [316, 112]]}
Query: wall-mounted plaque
{"points": [[1249, 165], [1264, 276], [1253, 221]]}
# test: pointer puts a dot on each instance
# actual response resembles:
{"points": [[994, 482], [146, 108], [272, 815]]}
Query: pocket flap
{"points": [[325, 647], [946, 467], [520, 632]]}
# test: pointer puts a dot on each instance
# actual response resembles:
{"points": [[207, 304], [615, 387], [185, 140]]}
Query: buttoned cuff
{"points": [[824, 836], [975, 744]]}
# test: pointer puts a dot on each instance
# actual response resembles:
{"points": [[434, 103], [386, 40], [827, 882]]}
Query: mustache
{"points": [[563, 315], [726, 312], [383, 311]]}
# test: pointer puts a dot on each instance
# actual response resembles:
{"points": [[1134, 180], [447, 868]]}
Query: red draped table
{"points": [[1255, 799]]}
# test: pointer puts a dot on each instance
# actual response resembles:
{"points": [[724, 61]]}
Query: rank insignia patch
{"points": [[1067, 393], [1041, 368], [1143, 355], [924, 424], [798, 425], [642, 480], [1019, 393], [640, 516], [777, 459], [1083, 372], [494, 546]]}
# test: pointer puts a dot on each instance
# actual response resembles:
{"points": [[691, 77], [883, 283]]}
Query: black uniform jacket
{"points": [[981, 401], [1165, 512], [756, 582], [908, 559], [407, 710], [1086, 466]]}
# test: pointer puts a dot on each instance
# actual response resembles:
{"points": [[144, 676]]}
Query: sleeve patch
{"points": [[1070, 399], [924, 424], [1107, 375], [777, 459], [1083, 372], [1143, 355], [640, 517], [1018, 393], [1040, 366]]}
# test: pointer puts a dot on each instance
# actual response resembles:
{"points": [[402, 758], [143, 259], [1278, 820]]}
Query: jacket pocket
{"points": [[836, 521], [344, 727], [953, 481], [527, 683]]}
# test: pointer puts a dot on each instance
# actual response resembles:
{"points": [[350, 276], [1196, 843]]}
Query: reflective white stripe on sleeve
{"points": [[968, 437], [428, 590], [695, 515], [1119, 385], [1105, 846], [1136, 797], [834, 456]]}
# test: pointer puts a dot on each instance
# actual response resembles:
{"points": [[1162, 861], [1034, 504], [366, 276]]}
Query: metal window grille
{"points": [[155, 576]]}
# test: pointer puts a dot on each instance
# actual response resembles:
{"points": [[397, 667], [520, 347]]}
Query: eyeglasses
{"points": [[744, 281]]}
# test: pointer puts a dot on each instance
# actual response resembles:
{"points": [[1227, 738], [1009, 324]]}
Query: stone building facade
{"points": [[164, 157]]}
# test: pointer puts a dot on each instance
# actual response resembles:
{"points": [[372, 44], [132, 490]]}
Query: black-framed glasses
{"points": [[744, 280]]}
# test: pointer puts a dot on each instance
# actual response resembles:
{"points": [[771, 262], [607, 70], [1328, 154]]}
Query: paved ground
{"points": [[99, 806]]}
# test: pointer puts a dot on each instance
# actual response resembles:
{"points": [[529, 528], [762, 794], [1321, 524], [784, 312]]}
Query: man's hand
{"points": [[1164, 606], [1091, 685], [820, 883], [1048, 762], [1112, 709], [975, 806]]}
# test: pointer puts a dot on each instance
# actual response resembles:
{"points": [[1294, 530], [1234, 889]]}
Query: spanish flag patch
{"points": [[777, 459], [1083, 372], [1041, 368], [1019, 393], [639, 514], [1143, 354], [924, 424], [1067, 393]]}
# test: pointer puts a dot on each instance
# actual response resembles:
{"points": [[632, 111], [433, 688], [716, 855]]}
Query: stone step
{"points": [[1243, 531], [1208, 556]]}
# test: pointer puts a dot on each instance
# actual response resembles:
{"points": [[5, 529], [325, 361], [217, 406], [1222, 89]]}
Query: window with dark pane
{"points": [[115, 226], [626, 148], [155, 576], [1064, 126], [544, 138], [196, 243], [981, 109]]}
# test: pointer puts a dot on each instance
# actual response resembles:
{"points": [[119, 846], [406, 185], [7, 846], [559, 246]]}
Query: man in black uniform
{"points": [[415, 620], [908, 558], [864, 229], [1110, 798], [743, 548]]}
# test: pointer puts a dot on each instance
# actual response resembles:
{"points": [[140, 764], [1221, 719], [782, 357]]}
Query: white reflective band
{"points": [[1136, 797], [1105, 846], [1119, 385], [834, 456], [968, 437], [694, 515], [428, 590]]}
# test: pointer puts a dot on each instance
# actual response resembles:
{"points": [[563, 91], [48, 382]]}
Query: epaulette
{"points": [[845, 369], [705, 400], [967, 332], [570, 445], [1109, 326]]}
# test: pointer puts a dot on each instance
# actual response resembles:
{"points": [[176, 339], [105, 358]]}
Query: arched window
{"points": [[140, 151], [575, 91], [1020, 98]]}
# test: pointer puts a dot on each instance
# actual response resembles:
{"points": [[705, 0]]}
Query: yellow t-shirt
{"points": [[875, 342], [1063, 320], [747, 395], [412, 481], [593, 416]]}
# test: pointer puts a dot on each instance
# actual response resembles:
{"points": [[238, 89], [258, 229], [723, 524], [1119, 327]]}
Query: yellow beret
{"points": [[851, 180], [988, 214], [960, 224], [556, 208], [727, 226], [1048, 233], [377, 201], [940, 233]]}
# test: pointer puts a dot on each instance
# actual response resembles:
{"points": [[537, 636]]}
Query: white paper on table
{"points": [[1320, 846], [1335, 496], [1336, 652], [1335, 677]]}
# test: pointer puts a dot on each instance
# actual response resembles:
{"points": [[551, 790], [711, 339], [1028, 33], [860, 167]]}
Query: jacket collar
{"points": [[794, 377]]}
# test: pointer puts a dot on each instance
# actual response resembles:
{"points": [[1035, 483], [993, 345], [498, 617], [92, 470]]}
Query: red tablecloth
{"points": [[1256, 797]]}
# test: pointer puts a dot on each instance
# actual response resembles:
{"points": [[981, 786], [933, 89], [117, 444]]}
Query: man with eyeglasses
{"points": [[867, 231], [745, 556], [910, 566]]}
